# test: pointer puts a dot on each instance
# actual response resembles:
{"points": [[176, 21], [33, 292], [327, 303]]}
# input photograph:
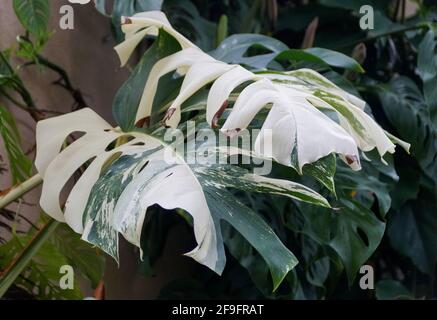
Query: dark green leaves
{"points": [[20, 165], [407, 111], [128, 7], [125, 8], [427, 69], [186, 17], [352, 231], [41, 276], [128, 97], [354, 4], [412, 231], [255, 231], [323, 170], [336, 59], [365, 183], [33, 15], [392, 290], [237, 49], [88, 260], [357, 233], [320, 56]]}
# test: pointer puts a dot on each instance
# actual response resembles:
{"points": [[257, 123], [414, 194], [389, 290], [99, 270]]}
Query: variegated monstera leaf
{"points": [[121, 182], [125, 171], [298, 126]]}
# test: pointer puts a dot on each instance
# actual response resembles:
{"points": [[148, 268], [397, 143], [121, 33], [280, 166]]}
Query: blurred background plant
{"points": [[390, 219], [31, 254]]}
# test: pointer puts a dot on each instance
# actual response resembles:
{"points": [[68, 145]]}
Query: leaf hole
{"points": [[256, 50], [118, 142], [75, 135], [363, 236], [169, 175], [138, 144], [68, 186], [143, 166]]}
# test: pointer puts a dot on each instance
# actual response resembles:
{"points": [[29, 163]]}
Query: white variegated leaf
{"points": [[291, 127], [120, 182], [222, 88], [141, 24], [123, 174], [302, 90], [350, 109], [182, 59]]}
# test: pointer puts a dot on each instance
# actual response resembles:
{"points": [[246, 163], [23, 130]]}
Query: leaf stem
{"points": [[385, 34], [16, 192], [16, 268]]}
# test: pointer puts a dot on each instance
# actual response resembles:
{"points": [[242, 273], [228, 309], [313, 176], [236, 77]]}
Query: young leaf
{"points": [[427, 69], [33, 15], [130, 95]]}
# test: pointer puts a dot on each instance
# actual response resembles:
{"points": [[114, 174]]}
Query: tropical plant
{"points": [[131, 167], [312, 222]]}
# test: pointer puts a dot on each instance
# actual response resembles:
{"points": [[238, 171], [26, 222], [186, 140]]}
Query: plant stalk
{"points": [[20, 263], [19, 190]]}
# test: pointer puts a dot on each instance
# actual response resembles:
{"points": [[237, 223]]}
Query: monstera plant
{"points": [[303, 121]]}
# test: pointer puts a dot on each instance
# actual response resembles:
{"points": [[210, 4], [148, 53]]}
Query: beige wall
{"points": [[86, 53]]}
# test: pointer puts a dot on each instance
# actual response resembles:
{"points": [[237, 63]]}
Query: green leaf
{"points": [[407, 111], [255, 230], [427, 69], [20, 165], [236, 49], [392, 290], [87, 260], [125, 8], [185, 15], [119, 185], [352, 231], [33, 15], [407, 187], [318, 272], [412, 232], [222, 28], [321, 56], [128, 97], [365, 182], [38, 261], [336, 59], [357, 234], [323, 170], [223, 206], [8, 76], [6, 70], [354, 4]]}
